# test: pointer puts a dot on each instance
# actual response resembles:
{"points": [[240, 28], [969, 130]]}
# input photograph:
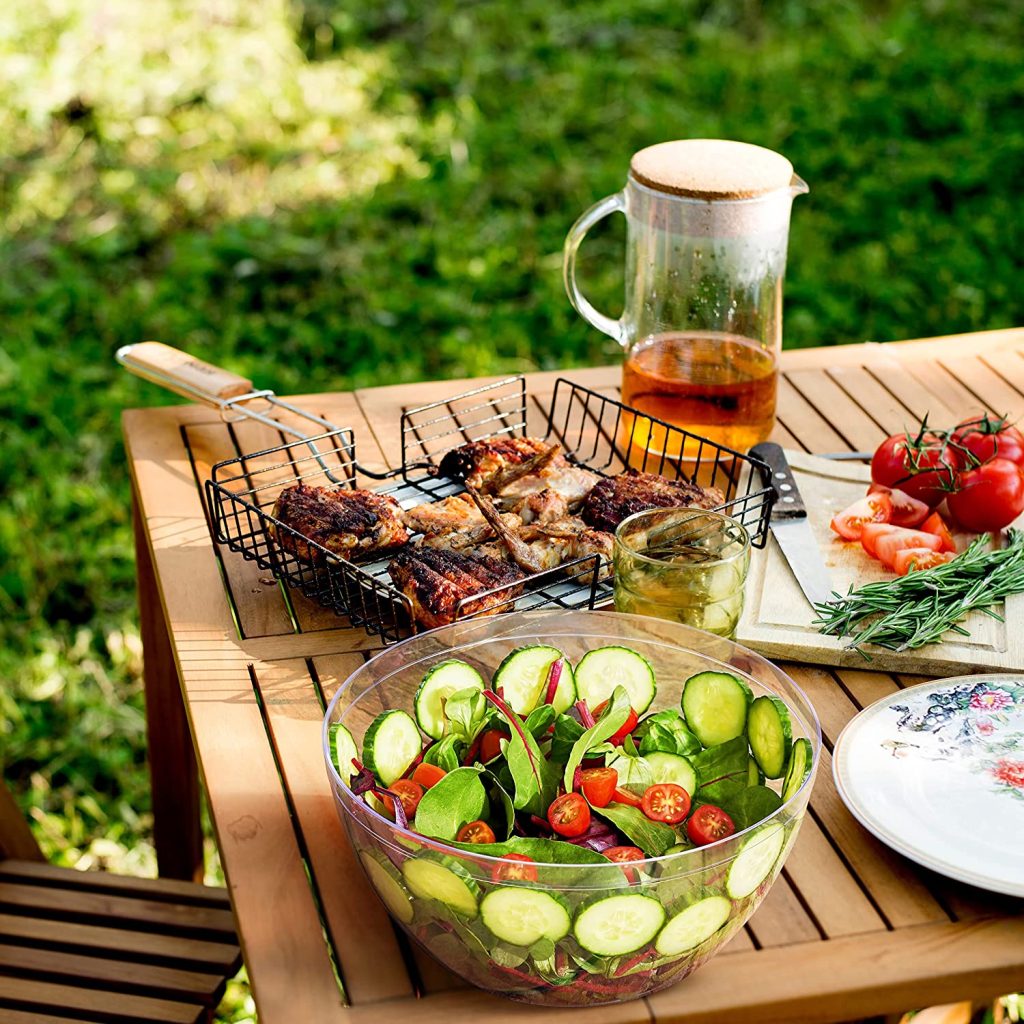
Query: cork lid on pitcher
{"points": [[711, 169]]}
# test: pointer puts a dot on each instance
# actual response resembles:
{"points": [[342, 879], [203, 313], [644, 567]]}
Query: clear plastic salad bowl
{"points": [[700, 897]]}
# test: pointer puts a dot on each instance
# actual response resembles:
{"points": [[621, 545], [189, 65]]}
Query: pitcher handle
{"points": [[608, 205]]}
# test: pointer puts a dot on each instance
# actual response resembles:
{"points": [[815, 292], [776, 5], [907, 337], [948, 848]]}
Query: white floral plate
{"points": [[936, 771]]}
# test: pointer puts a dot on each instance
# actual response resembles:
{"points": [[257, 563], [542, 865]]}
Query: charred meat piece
{"points": [[456, 523], [350, 523], [570, 482], [545, 506], [617, 497], [479, 461], [436, 580]]}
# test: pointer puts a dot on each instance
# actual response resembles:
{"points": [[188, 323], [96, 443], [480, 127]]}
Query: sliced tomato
{"points": [[898, 539], [906, 510], [936, 525], [490, 744], [475, 832], [428, 775], [874, 508], [666, 802], [569, 815], [871, 533], [514, 867], [623, 796], [623, 855], [408, 792], [920, 558], [627, 727], [708, 824], [598, 785]]}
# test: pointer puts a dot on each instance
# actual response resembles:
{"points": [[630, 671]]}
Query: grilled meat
{"points": [[478, 462], [545, 506], [617, 497], [435, 581], [350, 523]]}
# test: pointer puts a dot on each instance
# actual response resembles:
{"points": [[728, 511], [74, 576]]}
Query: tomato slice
{"points": [[408, 792], [599, 785], [906, 510], [623, 796], [490, 744], [920, 558], [569, 815], [428, 775], [898, 539], [627, 727], [708, 824], [514, 867], [666, 802], [475, 832], [874, 508], [870, 534], [936, 524], [623, 855]]}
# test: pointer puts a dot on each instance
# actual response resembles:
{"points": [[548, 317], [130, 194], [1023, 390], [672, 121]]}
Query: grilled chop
{"points": [[617, 497], [435, 580], [350, 523], [478, 462]]}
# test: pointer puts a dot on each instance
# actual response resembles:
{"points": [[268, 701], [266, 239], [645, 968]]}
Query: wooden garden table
{"points": [[850, 929]]}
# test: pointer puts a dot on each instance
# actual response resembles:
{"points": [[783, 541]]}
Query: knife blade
{"points": [[792, 530]]}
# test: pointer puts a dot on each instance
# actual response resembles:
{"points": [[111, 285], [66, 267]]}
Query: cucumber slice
{"points": [[755, 777], [692, 926], [385, 879], [771, 735], [619, 924], [523, 677], [715, 705], [601, 670], [390, 745], [800, 758], [442, 878], [438, 685], [524, 916], [754, 862], [343, 751], [673, 768]]}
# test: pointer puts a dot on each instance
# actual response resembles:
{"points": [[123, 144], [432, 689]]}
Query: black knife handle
{"points": [[788, 502]]}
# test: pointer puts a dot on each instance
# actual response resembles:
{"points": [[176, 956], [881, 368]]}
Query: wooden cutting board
{"points": [[777, 618]]}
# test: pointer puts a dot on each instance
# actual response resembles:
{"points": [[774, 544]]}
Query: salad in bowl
{"points": [[570, 807]]}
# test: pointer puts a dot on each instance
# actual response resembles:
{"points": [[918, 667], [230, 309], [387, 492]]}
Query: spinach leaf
{"points": [[544, 851], [539, 721], [751, 805], [567, 732], [666, 731], [722, 771], [467, 712], [635, 772], [653, 837], [535, 777], [500, 797], [445, 753], [449, 804], [611, 721]]}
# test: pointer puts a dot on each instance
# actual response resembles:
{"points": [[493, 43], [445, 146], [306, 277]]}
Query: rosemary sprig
{"points": [[921, 607]]}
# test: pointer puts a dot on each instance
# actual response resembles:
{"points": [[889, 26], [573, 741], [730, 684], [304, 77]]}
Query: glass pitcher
{"points": [[707, 228]]}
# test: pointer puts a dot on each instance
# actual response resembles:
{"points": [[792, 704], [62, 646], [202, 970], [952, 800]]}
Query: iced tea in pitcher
{"points": [[707, 229]]}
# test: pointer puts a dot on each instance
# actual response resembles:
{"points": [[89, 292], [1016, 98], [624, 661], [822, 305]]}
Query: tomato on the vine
{"points": [[598, 785], [475, 832], [408, 792], [989, 438], [569, 815], [924, 465], [850, 523], [627, 727], [514, 867], [990, 497], [623, 855], [708, 824], [666, 802]]}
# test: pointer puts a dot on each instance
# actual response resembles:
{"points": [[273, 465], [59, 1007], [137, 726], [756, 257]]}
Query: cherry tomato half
{"points": [[623, 796], [936, 525], [623, 855], [990, 438], [408, 792], [627, 727], [906, 511], [490, 744], [475, 832], [666, 802], [874, 508], [599, 785], [916, 559], [708, 824], [569, 815], [923, 466], [428, 775], [990, 497], [514, 867]]}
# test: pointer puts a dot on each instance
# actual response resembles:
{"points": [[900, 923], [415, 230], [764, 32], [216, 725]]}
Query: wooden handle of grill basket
{"points": [[181, 373]]}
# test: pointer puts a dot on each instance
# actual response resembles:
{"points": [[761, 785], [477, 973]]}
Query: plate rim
{"points": [[913, 853]]}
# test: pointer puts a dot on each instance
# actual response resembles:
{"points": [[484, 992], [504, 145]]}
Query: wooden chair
{"points": [[86, 946]]}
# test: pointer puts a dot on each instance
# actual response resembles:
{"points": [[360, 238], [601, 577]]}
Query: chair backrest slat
{"points": [[16, 839]]}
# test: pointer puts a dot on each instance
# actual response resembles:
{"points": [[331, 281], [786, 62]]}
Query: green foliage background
{"points": [[331, 194]]}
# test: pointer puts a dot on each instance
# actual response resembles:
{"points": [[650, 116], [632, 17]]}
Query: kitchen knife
{"points": [[792, 530]]}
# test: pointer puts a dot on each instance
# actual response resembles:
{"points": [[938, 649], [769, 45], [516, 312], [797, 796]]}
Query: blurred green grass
{"points": [[328, 195]]}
